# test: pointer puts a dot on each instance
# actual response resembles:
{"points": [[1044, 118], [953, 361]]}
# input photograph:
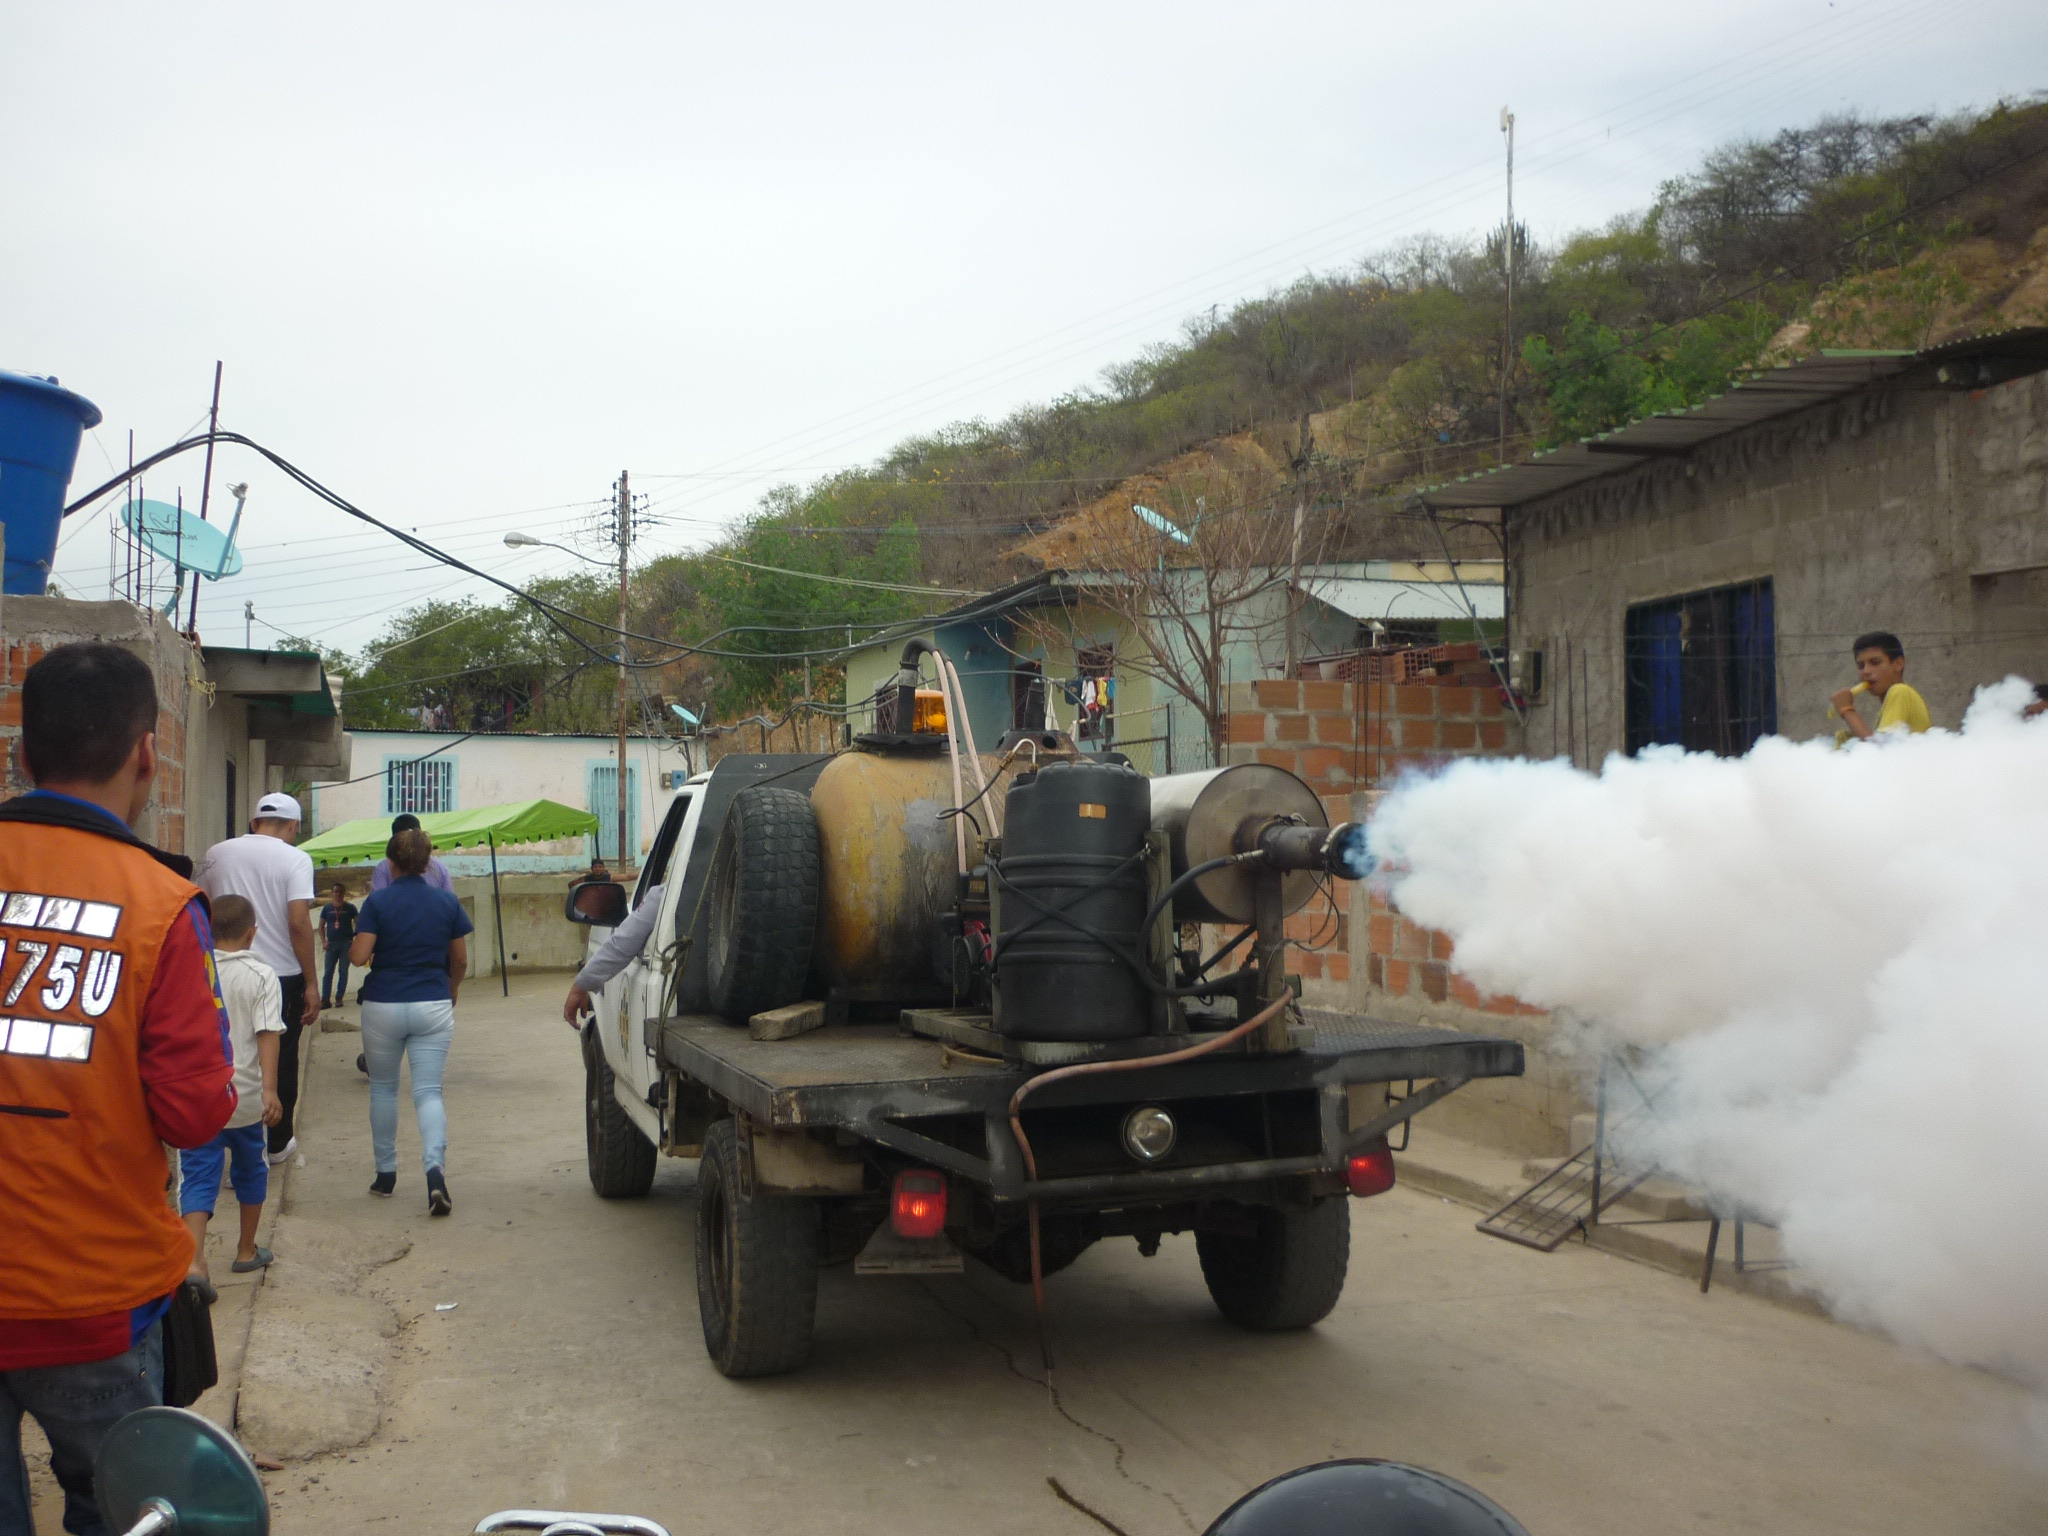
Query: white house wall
{"points": [[493, 769]]}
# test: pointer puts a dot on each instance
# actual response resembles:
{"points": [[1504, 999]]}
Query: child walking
{"points": [[255, 1007]]}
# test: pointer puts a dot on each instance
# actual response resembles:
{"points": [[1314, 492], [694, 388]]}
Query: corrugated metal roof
{"points": [[1773, 392]]}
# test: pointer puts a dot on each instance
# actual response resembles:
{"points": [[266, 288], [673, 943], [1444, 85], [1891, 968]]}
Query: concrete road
{"points": [[1588, 1394]]}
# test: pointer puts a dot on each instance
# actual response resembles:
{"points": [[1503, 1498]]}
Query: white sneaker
{"points": [[274, 1158]]}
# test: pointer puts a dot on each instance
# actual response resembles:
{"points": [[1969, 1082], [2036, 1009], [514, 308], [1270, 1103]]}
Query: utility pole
{"points": [[1507, 348], [206, 488], [249, 626], [1294, 585], [624, 536]]}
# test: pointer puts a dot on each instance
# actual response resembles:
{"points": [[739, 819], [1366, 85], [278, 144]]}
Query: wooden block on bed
{"points": [[787, 1023]]}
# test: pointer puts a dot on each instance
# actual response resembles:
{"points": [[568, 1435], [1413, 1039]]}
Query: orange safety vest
{"points": [[85, 1228]]}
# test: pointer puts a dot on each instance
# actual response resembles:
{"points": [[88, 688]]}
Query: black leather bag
{"points": [[190, 1365]]}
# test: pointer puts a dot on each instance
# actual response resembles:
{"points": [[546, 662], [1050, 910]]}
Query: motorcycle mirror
{"points": [[1365, 1497], [169, 1470]]}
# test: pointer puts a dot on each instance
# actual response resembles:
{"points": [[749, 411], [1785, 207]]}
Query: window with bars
{"points": [[419, 785], [1702, 670]]}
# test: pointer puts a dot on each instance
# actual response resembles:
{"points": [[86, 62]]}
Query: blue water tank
{"points": [[40, 425]]}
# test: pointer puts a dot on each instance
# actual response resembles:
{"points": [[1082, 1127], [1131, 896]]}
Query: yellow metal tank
{"points": [[887, 866]]}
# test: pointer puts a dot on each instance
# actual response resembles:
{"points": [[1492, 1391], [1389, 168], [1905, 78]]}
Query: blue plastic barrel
{"points": [[40, 425]]}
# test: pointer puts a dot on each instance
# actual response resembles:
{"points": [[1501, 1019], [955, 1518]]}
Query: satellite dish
{"points": [[688, 717], [185, 541]]}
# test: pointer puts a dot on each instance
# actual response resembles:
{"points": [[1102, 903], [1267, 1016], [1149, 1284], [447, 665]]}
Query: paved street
{"points": [[1588, 1394]]}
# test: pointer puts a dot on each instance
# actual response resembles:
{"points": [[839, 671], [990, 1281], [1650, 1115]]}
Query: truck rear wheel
{"points": [[621, 1157], [757, 1267], [763, 903], [1288, 1276]]}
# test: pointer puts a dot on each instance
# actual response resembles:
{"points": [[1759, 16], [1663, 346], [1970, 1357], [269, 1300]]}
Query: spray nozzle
{"points": [[1291, 845]]}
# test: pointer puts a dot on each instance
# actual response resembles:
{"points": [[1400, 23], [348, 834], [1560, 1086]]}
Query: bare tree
{"points": [[1206, 572]]}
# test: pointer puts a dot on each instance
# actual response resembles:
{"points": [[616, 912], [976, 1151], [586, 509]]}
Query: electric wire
{"points": [[1768, 54]]}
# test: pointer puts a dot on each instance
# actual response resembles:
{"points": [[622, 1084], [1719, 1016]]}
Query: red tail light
{"points": [[1370, 1171], [917, 1206]]}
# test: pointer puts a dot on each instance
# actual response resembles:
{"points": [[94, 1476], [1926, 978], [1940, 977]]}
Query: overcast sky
{"points": [[466, 261]]}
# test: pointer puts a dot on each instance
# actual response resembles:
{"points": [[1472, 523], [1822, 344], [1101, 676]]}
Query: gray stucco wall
{"points": [[1907, 507]]}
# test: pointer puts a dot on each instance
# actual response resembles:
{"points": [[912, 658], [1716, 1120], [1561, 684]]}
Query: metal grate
{"points": [[1565, 1200], [422, 786]]}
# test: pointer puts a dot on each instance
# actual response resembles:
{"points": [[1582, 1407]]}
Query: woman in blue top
{"points": [[412, 937]]}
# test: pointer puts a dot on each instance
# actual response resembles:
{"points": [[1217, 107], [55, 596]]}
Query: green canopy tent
{"points": [[520, 821]]}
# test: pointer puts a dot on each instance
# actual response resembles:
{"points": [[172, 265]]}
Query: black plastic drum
{"points": [[1072, 889]]}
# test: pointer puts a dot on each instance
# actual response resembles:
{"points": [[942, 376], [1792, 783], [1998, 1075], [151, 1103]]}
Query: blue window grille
{"points": [[603, 781], [419, 785], [1701, 671]]}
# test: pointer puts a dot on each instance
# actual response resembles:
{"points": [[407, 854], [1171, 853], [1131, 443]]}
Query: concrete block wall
{"points": [[35, 626]]}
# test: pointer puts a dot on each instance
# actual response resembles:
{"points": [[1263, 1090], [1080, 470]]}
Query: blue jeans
{"points": [[420, 1033], [75, 1405], [337, 959]]}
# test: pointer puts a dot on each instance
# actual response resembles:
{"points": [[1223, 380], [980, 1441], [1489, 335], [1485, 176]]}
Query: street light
{"points": [[1164, 525], [528, 541]]}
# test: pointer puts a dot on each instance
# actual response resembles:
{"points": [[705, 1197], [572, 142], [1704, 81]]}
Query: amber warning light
{"points": [[917, 1209]]}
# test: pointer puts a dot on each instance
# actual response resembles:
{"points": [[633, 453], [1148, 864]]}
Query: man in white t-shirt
{"points": [[264, 866]]}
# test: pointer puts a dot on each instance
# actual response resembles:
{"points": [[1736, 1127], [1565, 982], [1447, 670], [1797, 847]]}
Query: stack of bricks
{"points": [[1464, 663], [36, 625]]}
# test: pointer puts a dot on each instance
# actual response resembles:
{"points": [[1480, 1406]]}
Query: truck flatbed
{"points": [[877, 1081]]}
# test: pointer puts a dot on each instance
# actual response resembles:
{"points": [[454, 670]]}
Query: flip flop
{"points": [[204, 1287], [261, 1261]]}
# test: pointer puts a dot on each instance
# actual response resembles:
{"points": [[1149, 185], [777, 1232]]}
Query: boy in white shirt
{"points": [[251, 992]]}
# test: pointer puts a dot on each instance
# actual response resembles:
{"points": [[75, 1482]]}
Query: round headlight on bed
{"points": [[1149, 1133]]}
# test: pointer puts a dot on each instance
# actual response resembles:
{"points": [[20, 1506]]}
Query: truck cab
{"points": [[618, 1035]]}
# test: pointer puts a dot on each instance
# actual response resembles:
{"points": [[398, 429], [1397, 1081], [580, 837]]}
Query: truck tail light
{"points": [[917, 1205], [1370, 1170]]}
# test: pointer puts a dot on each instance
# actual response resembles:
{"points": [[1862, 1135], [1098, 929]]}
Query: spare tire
{"points": [[763, 901]]}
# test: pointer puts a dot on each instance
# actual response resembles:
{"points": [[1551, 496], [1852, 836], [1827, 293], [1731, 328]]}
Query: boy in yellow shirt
{"points": [[1881, 666]]}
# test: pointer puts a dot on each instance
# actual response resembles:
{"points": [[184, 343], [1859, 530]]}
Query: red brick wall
{"points": [[1405, 960], [1344, 738], [17, 658]]}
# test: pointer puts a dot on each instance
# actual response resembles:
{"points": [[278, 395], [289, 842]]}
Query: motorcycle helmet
{"points": [[1365, 1497]]}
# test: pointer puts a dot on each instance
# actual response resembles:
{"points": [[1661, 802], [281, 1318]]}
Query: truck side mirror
{"points": [[596, 903]]}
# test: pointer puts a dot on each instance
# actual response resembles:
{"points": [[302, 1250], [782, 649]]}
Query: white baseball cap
{"points": [[279, 807]]}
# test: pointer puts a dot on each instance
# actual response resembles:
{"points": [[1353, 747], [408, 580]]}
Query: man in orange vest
{"points": [[112, 1042]]}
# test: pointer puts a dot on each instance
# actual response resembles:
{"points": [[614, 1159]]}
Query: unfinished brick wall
{"points": [[1405, 960], [30, 627], [1351, 740], [1346, 739]]}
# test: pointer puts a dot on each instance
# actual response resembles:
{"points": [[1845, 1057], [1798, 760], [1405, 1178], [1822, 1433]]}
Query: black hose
{"points": [[1166, 896]]}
